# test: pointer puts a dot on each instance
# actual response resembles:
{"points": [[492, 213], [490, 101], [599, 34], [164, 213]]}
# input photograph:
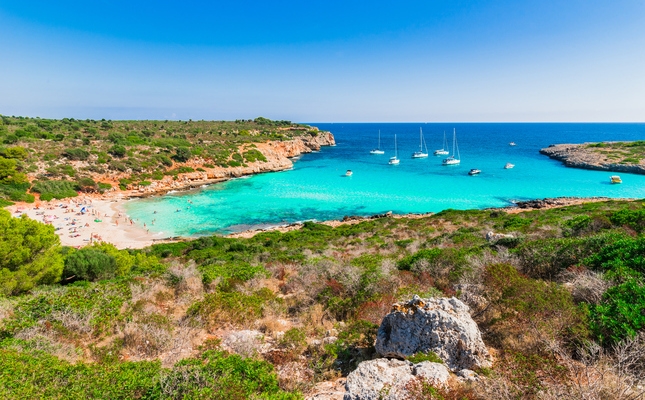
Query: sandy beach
{"points": [[81, 220]]}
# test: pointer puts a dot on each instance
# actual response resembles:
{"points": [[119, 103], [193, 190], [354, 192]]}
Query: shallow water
{"points": [[317, 188]]}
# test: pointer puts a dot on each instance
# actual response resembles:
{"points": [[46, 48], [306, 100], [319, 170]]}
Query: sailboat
{"points": [[420, 153], [394, 160], [452, 160], [442, 151], [378, 149]]}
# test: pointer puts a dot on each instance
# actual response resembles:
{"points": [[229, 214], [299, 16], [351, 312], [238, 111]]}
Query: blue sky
{"points": [[324, 61]]}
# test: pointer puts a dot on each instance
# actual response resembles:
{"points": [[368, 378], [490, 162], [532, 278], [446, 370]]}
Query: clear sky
{"points": [[432, 60]]}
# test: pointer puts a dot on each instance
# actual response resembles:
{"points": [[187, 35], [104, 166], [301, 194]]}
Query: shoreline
{"points": [[104, 219]]}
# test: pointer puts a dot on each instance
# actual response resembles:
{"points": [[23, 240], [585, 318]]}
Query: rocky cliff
{"points": [[278, 156], [587, 157]]}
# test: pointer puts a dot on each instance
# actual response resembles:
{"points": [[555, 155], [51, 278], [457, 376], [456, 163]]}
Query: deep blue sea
{"points": [[317, 188]]}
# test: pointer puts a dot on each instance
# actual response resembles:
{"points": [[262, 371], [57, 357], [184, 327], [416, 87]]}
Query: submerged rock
{"points": [[443, 326]]}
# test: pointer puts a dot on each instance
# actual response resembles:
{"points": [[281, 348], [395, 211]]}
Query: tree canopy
{"points": [[29, 254]]}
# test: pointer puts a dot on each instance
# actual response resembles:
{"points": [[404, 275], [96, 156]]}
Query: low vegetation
{"points": [[55, 159], [560, 304]]}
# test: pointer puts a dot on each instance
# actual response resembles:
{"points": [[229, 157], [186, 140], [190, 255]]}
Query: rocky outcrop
{"points": [[440, 325], [390, 379], [278, 156], [583, 156]]}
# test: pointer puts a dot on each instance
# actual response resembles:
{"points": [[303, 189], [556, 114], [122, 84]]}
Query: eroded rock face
{"points": [[443, 326], [389, 379]]}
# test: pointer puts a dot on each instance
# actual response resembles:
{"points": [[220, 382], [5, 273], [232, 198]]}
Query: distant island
{"points": [[603, 156]]}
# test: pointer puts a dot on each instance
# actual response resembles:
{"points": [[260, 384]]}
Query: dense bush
{"points": [[89, 264], [29, 254], [55, 189], [621, 314], [76, 153]]}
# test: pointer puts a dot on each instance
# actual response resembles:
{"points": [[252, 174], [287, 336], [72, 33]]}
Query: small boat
{"points": [[512, 144], [616, 179], [349, 172], [508, 165], [442, 151], [452, 160], [420, 153], [378, 149], [394, 160], [474, 171]]}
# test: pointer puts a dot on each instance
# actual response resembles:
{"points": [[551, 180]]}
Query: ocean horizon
{"points": [[317, 188]]}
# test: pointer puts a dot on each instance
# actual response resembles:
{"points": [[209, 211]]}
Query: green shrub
{"points": [[29, 254], [41, 376], [55, 189], [89, 264], [117, 150], [621, 258], [232, 307], [76, 153], [182, 154], [408, 262], [635, 219], [620, 314]]}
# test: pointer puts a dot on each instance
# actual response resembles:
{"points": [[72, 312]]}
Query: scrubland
{"points": [[560, 302]]}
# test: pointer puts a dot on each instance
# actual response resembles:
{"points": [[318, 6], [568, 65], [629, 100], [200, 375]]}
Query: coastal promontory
{"points": [[604, 156]]}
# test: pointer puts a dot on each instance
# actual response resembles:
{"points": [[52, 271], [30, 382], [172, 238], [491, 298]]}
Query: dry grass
{"points": [[585, 286]]}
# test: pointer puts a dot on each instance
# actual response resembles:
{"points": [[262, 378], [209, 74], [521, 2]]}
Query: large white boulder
{"points": [[385, 379], [440, 325]]}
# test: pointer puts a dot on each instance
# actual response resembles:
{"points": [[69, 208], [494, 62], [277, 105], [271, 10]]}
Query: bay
{"points": [[317, 188]]}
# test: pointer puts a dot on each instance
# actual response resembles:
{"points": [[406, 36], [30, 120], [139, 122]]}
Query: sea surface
{"points": [[317, 188]]}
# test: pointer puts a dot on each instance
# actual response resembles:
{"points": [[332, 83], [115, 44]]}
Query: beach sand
{"points": [[82, 220]]}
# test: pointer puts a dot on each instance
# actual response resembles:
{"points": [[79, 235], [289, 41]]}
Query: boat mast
{"points": [[394, 146], [458, 155]]}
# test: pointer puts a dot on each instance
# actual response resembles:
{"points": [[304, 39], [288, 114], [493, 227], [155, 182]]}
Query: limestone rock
{"points": [[440, 325], [467, 375], [434, 373], [387, 379]]}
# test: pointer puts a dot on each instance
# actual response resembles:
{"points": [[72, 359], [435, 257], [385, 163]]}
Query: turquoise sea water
{"points": [[317, 188]]}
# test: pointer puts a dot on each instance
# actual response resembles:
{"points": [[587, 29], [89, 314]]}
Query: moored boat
{"points": [[474, 171], [508, 165], [394, 160], [452, 160], [422, 142], [378, 149], [615, 179], [442, 151], [512, 144], [349, 172]]}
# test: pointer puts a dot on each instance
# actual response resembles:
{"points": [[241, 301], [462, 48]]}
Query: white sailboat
{"points": [[452, 160], [394, 160], [378, 149], [422, 142], [442, 151]]}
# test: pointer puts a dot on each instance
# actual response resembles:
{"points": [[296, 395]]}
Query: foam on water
{"points": [[317, 188]]}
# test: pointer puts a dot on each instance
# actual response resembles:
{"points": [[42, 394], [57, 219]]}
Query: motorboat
{"points": [[616, 179], [512, 144], [509, 165], [474, 171], [349, 172]]}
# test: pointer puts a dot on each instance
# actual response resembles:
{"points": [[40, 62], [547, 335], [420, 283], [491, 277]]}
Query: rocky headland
{"points": [[278, 156], [606, 156]]}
